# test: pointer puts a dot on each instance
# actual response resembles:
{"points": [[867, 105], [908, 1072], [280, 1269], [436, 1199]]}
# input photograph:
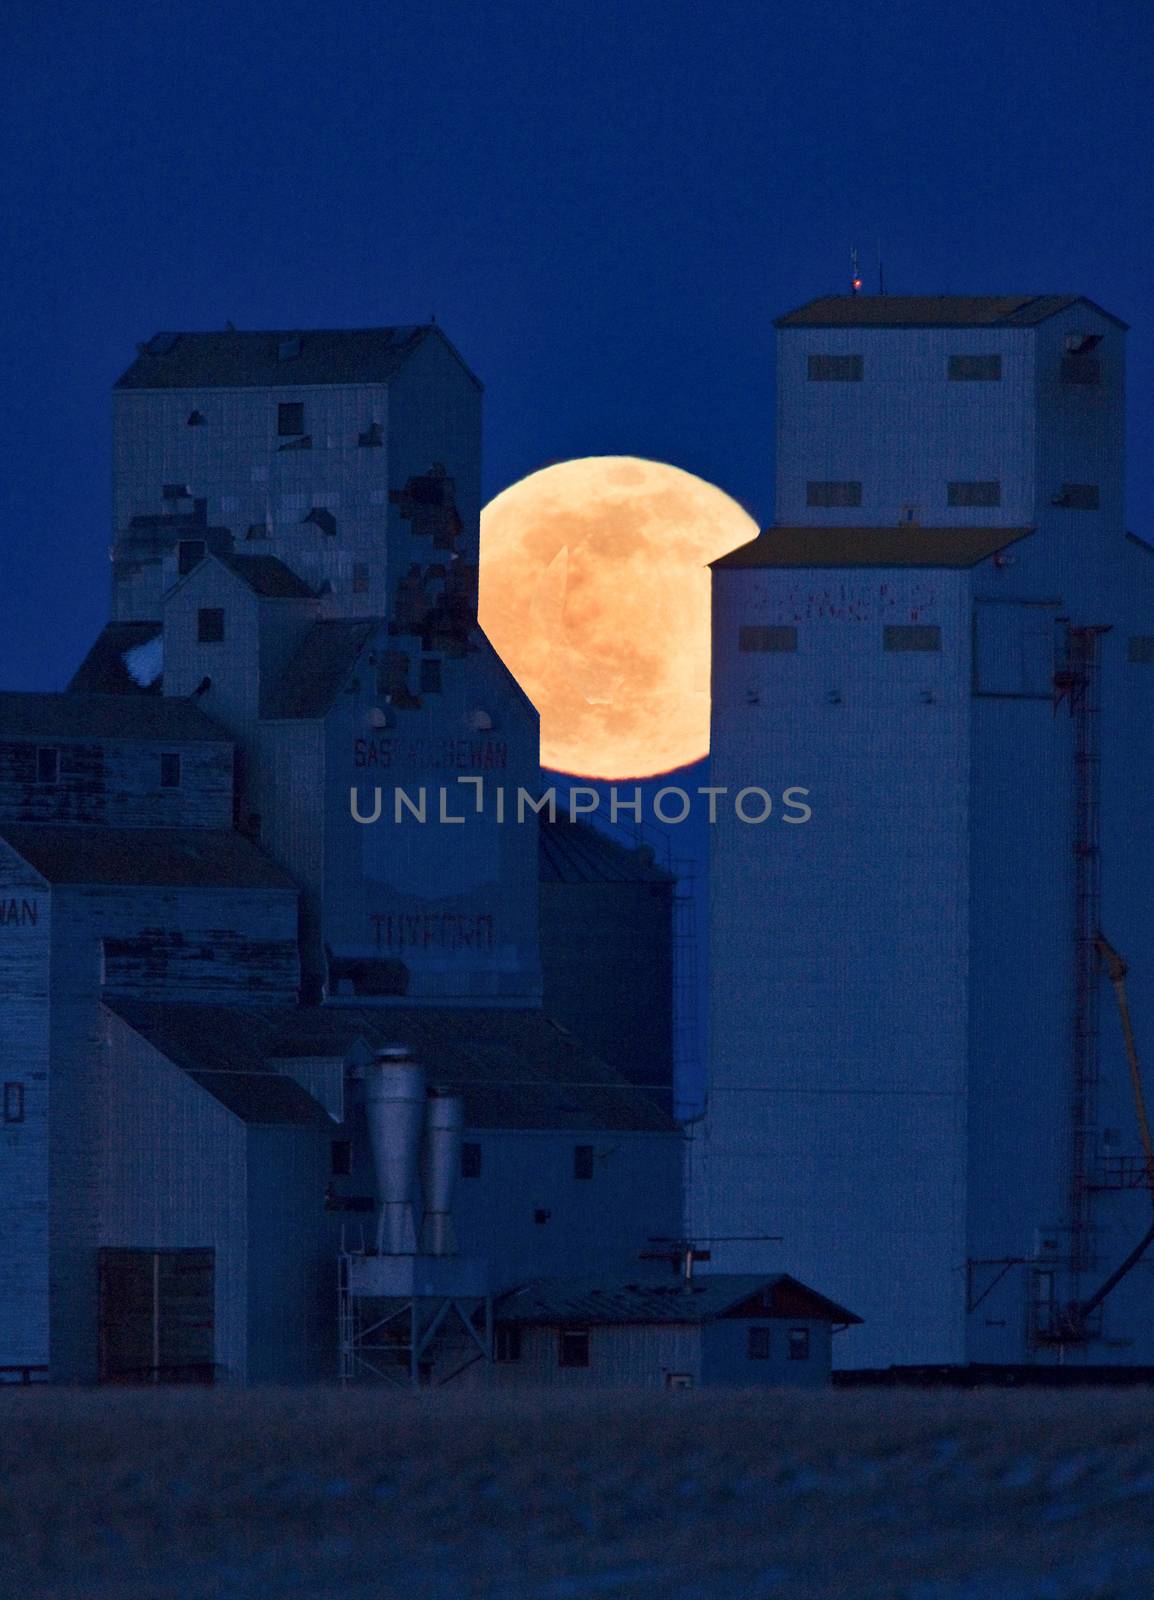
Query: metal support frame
{"points": [[399, 1341]]}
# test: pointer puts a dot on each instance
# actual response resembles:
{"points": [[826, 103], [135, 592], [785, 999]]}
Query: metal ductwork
{"points": [[395, 1112], [440, 1161]]}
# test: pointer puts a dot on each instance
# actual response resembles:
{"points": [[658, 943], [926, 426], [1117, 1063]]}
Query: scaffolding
{"points": [[412, 1321]]}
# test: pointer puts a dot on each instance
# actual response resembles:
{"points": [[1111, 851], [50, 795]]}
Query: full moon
{"points": [[594, 590]]}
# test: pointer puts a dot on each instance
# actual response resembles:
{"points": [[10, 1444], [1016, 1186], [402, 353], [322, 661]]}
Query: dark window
{"points": [[176, 491], [541, 1216], [759, 1344], [835, 369], [210, 625], [470, 1161], [1078, 497], [582, 1160], [342, 1158], [170, 770], [916, 638], [985, 493], [47, 764], [290, 419], [321, 517], [507, 1341], [360, 577], [371, 436], [1141, 648], [573, 1347], [195, 419], [430, 677], [799, 1344], [975, 369], [755, 638], [13, 1102], [1081, 369], [189, 554], [835, 492]]}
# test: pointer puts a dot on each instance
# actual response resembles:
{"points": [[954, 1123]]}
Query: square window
{"points": [[470, 1160], [13, 1102], [341, 1162], [583, 1161], [833, 492], [507, 1341], [47, 764], [430, 677], [975, 369], [987, 493], [210, 625], [290, 419], [573, 1347], [798, 1344], [360, 577], [1078, 497], [915, 638], [170, 770], [752, 637], [758, 1348], [834, 369]]}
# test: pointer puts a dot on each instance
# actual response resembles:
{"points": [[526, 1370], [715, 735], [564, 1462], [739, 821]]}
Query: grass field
{"points": [[323, 1495]]}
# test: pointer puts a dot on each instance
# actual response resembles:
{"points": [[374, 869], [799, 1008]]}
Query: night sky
{"points": [[605, 205]]}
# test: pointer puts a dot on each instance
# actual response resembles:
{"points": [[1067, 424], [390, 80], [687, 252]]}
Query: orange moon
{"points": [[594, 590]]}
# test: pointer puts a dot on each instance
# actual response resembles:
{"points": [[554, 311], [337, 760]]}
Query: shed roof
{"points": [[107, 716], [314, 675], [104, 669], [268, 577], [271, 359], [933, 311], [904, 546], [262, 1097], [514, 1068], [194, 858], [576, 852], [593, 1300]]}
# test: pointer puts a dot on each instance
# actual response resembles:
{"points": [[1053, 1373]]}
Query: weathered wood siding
{"points": [[118, 783]]}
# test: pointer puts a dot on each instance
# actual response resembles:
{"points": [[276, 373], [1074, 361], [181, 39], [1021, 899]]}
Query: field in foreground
{"points": [[322, 1495]]}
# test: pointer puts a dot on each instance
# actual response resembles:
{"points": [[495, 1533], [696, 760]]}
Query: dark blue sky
{"points": [[604, 204]]}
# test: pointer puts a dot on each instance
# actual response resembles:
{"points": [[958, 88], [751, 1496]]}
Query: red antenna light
{"points": [[855, 275]]}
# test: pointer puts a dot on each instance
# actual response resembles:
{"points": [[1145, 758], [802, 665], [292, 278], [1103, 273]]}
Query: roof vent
{"points": [[480, 721]]}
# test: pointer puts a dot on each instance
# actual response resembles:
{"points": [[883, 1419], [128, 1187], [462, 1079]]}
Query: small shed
{"points": [[734, 1329]]}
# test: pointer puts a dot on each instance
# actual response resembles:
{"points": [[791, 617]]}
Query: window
{"points": [[507, 1341], [196, 419], [13, 1102], [758, 1346], [836, 492], [915, 638], [341, 1162], [1140, 648], [470, 1160], [210, 625], [752, 637], [583, 1161], [321, 517], [170, 770], [573, 1347], [47, 764], [986, 493], [430, 677], [360, 577], [798, 1344], [371, 436], [834, 369], [290, 419], [1078, 497], [975, 369], [189, 554]]}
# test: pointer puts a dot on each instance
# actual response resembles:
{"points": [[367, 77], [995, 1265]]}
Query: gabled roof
{"points": [[268, 577], [107, 716], [514, 1068], [104, 669], [313, 677], [275, 359], [934, 311], [575, 852], [194, 858], [904, 546], [585, 1301]]}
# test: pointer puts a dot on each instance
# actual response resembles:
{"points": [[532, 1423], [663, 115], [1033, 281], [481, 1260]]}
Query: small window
{"points": [[48, 764], [321, 517], [583, 1161], [984, 493], [758, 1344], [189, 554], [195, 419], [176, 491], [430, 677], [541, 1216], [341, 1162], [1078, 497], [290, 419], [573, 1347], [13, 1102], [798, 1344], [360, 577], [1081, 369], [975, 369], [1140, 647], [210, 625], [834, 369], [470, 1160], [915, 638], [371, 436], [835, 492], [752, 637], [170, 770], [507, 1341]]}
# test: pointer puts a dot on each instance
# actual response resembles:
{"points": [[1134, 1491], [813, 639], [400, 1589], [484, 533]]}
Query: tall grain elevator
{"points": [[918, 1074]]}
